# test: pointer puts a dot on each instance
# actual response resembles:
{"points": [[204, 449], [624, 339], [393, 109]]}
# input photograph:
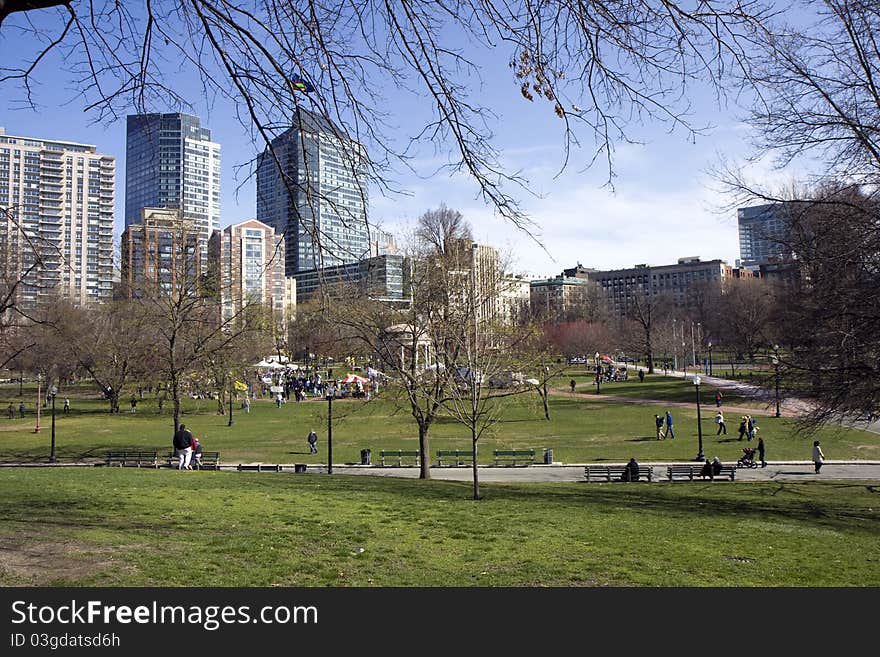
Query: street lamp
{"points": [[775, 359], [331, 391], [700, 455], [598, 372], [39, 401], [709, 345], [231, 386], [52, 392]]}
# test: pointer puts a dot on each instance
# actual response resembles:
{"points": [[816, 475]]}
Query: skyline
{"points": [[663, 206], [672, 221]]}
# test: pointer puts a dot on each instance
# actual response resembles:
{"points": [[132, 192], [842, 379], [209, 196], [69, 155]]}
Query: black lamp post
{"points": [[700, 455], [775, 359], [231, 386], [39, 401], [710, 357], [598, 372], [330, 392], [52, 392]]}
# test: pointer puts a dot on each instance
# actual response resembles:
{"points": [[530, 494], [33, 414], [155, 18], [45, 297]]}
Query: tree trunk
{"points": [[545, 401], [424, 453], [175, 397], [476, 475]]}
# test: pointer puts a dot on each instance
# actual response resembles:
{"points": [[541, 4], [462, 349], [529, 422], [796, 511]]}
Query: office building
{"points": [[382, 278], [56, 236], [559, 298], [171, 162], [246, 266], [312, 188], [676, 283], [762, 232]]}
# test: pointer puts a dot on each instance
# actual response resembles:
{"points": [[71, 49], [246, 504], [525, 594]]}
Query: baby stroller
{"points": [[747, 460]]}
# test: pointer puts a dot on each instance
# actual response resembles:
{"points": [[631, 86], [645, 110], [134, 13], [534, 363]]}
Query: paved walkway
{"points": [[574, 472]]}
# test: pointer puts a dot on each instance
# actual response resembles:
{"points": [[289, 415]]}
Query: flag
{"points": [[299, 83], [240, 386]]}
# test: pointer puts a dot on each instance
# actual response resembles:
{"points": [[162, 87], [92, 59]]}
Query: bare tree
{"points": [[109, 343], [831, 323], [746, 316], [598, 67], [646, 310]]}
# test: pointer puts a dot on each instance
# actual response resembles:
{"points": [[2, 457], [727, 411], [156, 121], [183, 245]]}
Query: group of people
{"points": [[187, 448], [748, 426], [663, 424], [11, 410]]}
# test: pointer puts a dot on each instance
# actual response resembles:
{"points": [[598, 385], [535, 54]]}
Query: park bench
{"points": [[460, 456], [511, 456], [133, 458], [615, 472], [259, 467], [210, 461], [398, 454], [691, 472]]}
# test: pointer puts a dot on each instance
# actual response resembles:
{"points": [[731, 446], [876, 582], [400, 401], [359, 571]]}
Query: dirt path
{"points": [[741, 410]]}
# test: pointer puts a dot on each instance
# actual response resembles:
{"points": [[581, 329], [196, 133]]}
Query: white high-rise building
{"points": [[56, 219]]}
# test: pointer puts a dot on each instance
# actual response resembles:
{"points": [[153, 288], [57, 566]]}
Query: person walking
{"points": [[818, 456], [11, 412], [183, 447], [719, 420], [718, 398], [246, 404], [66, 406], [669, 431], [21, 409], [761, 452], [641, 375], [572, 384], [313, 442], [743, 426], [658, 421]]}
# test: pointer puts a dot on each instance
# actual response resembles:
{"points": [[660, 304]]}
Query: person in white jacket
{"points": [[818, 456]]}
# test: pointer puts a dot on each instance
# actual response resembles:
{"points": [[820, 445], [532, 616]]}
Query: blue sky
{"points": [[662, 207]]}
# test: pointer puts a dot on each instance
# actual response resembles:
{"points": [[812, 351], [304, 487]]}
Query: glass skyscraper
{"points": [[762, 231], [171, 162], [312, 188]]}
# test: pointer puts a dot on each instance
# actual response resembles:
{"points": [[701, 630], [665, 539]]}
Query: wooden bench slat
{"points": [[615, 472], [692, 472], [514, 455]]}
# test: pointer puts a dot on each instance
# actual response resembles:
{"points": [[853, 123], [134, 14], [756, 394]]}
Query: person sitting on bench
{"points": [[631, 471]]}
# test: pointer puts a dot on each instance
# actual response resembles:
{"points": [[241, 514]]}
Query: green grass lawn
{"points": [[581, 429], [130, 527]]}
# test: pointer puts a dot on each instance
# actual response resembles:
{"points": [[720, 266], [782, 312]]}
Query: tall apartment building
{"points": [[675, 282], [312, 188], [171, 162], [56, 231], [246, 264], [762, 230], [161, 254]]}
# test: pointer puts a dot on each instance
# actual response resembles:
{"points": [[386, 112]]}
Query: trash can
{"points": [[299, 467], [548, 456], [365, 457]]}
